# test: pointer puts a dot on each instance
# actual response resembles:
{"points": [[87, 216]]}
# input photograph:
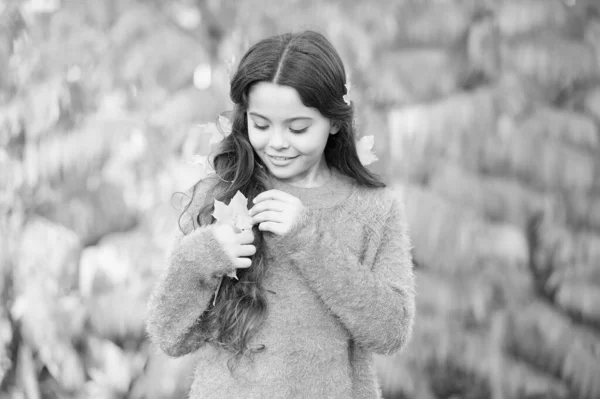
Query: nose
{"points": [[278, 139]]}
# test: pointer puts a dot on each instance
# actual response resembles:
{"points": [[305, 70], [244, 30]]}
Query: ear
{"points": [[334, 128]]}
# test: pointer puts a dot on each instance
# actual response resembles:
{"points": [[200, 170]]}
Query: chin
{"points": [[282, 174]]}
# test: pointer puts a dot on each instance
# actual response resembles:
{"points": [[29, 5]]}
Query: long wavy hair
{"points": [[309, 63]]}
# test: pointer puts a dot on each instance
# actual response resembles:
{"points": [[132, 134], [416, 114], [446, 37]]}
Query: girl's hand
{"points": [[237, 246], [276, 211]]}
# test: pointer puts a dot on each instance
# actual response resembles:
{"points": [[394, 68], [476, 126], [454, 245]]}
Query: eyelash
{"points": [[291, 130]]}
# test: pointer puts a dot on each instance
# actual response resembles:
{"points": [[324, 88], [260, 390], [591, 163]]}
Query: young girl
{"points": [[325, 274]]}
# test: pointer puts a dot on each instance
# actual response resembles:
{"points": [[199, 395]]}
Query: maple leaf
{"points": [[218, 131], [364, 147], [235, 214], [346, 96], [215, 134], [222, 213], [204, 161], [225, 125]]}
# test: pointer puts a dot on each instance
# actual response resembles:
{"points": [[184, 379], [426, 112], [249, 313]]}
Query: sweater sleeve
{"points": [[376, 301], [195, 265]]}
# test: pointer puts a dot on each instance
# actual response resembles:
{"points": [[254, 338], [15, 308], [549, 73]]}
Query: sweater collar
{"points": [[333, 192]]}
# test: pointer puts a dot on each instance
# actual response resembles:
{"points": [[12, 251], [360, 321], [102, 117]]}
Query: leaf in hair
{"points": [[217, 131], [346, 97], [225, 125], [215, 134], [364, 147], [204, 161]]}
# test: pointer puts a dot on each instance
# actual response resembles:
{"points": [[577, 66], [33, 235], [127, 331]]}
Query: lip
{"points": [[279, 160]]}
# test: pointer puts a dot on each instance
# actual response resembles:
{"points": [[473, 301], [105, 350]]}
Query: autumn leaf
{"points": [[203, 160], [225, 125], [348, 85], [241, 216], [364, 147], [218, 131], [346, 96], [235, 214], [222, 213], [215, 134], [199, 160]]}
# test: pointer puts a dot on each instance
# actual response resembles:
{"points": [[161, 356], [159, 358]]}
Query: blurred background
{"points": [[485, 115]]}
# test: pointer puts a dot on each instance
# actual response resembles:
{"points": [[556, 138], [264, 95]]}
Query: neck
{"points": [[313, 177], [318, 180]]}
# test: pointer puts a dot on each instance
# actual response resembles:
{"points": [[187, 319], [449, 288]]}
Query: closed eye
{"points": [[261, 127], [265, 127], [299, 130]]}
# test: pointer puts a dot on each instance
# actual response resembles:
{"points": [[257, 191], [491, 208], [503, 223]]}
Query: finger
{"points": [[268, 216], [274, 194], [269, 204], [270, 226], [246, 250], [242, 263], [245, 237]]}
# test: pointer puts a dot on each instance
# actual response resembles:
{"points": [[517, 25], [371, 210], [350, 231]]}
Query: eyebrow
{"points": [[287, 120]]}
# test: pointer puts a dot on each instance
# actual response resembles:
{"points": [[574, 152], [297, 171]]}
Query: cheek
{"points": [[255, 139], [311, 144]]}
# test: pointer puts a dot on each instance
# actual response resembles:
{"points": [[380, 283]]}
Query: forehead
{"points": [[278, 102]]}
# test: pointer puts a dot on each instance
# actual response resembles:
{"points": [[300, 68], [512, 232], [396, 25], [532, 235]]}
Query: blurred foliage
{"points": [[485, 115]]}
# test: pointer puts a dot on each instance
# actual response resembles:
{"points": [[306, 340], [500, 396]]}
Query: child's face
{"points": [[288, 136]]}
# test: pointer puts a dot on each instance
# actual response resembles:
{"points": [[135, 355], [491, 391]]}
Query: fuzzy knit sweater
{"points": [[340, 288]]}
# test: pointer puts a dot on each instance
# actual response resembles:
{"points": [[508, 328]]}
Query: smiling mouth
{"points": [[280, 158]]}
